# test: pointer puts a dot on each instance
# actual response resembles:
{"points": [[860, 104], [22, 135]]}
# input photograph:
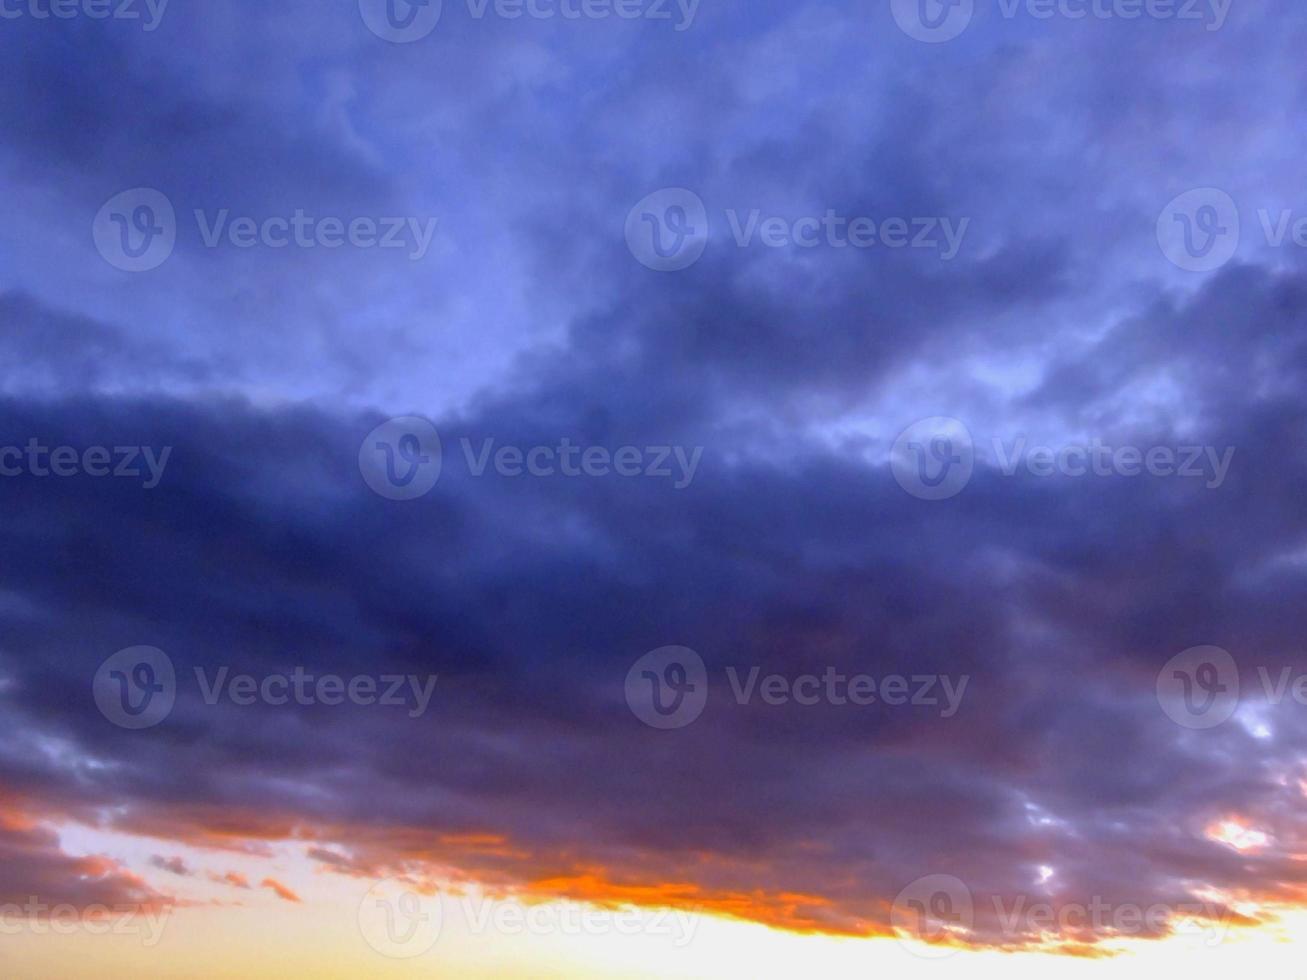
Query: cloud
{"points": [[40, 876], [173, 865], [280, 890], [793, 552], [233, 878]]}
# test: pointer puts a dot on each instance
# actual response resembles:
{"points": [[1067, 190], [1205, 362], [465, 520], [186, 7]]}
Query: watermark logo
{"points": [[303, 230], [401, 21], [678, 464], [1021, 918], [40, 918], [404, 21], [401, 459], [1199, 688], [402, 923], [668, 688], [668, 230], [833, 230], [136, 688], [1207, 463], [1211, 13], [933, 459], [1199, 231], [932, 911], [148, 12], [411, 691], [933, 21], [41, 461], [136, 231], [571, 10], [399, 922], [836, 689]]}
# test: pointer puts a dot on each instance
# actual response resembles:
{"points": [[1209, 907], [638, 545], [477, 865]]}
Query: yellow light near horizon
{"points": [[267, 937]]}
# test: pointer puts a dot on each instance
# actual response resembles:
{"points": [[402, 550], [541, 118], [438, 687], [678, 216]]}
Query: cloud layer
{"points": [[794, 550]]}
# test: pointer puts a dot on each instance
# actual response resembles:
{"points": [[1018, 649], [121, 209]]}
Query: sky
{"points": [[652, 488]]}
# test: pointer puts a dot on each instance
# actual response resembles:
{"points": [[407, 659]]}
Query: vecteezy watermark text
{"points": [[148, 12], [937, 914], [306, 689], [40, 918], [567, 459], [1099, 459], [1201, 230], [406, 21], [839, 231], [936, 21], [838, 689], [651, 10], [935, 458], [136, 688], [403, 459], [668, 231], [401, 922], [1202, 687], [667, 688], [136, 231], [124, 462]]}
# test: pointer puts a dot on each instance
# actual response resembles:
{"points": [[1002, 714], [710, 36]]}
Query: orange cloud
{"points": [[701, 881], [233, 878], [282, 891]]}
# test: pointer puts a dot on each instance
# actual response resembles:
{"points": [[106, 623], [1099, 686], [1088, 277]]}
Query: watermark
{"points": [[934, 459], [937, 915], [1206, 463], [936, 21], [933, 21], [837, 689], [303, 230], [668, 231], [401, 21], [933, 914], [678, 464], [832, 230], [1201, 687], [300, 687], [667, 688], [406, 21], [136, 231], [1201, 230], [1099, 917], [402, 459], [401, 922], [39, 918], [137, 688], [149, 13], [122, 462]]}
